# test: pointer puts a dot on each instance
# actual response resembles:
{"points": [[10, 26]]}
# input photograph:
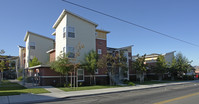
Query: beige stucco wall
{"points": [[60, 41], [21, 57], [101, 35], [27, 53], [84, 35], [169, 57], [42, 45]]}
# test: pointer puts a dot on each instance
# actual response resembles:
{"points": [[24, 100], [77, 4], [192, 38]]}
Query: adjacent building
{"points": [[151, 60], [22, 57], [36, 46]]}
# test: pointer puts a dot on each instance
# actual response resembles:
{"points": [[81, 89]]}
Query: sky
{"points": [[177, 18]]}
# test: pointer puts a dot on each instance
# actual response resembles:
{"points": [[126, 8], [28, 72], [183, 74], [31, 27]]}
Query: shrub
{"points": [[59, 85], [188, 77], [20, 78], [126, 81], [131, 84]]}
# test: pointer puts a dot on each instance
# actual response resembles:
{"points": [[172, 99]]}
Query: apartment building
{"points": [[22, 56], [37, 46], [71, 32], [151, 60]]}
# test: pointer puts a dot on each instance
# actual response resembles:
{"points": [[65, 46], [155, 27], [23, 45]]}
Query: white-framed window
{"points": [[71, 32], [71, 52], [99, 51], [32, 45], [80, 73], [64, 32], [96, 71], [64, 49]]}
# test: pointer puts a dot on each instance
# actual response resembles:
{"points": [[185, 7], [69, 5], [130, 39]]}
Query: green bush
{"points": [[60, 85], [126, 81], [188, 77], [131, 84], [20, 78]]}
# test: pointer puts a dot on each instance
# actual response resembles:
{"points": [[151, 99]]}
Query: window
{"points": [[99, 51], [31, 57], [96, 71], [100, 43], [71, 32], [32, 45], [71, 52], [64, 49], [80, 73], [64, 32]]}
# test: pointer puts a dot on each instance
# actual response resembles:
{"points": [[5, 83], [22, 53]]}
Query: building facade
{"points": [[73, 34], [37, 46]]}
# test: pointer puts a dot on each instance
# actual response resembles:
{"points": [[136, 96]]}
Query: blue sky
{"points": [[178, 18]]}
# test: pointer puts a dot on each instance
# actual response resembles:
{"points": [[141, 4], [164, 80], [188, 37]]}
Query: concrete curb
{"points": [[71, 94]]}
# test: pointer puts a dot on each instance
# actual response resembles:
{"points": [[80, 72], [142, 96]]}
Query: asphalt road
{"points": [[178, 94]]}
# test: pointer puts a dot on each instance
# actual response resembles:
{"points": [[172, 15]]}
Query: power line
{"points": [[131, 23]]}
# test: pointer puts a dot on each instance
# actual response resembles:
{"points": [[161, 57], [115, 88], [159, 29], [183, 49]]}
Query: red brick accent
{"points": [[52, 56], [101, 44], [46, 71]]}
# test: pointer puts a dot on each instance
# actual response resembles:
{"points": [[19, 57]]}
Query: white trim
{"points": [[28, 33], [96, 71], [64, 12], [68, 32], [78, 74], [100, 38], [102, 30], [54, 33], [99, 51], [50, 50], [38, 66], [51, 76]]}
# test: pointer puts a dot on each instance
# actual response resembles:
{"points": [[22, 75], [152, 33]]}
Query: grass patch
{"points": [[87, 88], [8, 88]]}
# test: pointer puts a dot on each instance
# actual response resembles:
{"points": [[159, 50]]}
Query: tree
{"points": [[161, 66], [65, 65], [173, 70], [2, 51], [62, 65], [2, 67], [140, 66], [34, 62], [90, 64], [113, 62], [180, 64]]}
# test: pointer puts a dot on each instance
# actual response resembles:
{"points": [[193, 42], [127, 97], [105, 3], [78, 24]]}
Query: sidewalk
{"points": [[57, 93]]}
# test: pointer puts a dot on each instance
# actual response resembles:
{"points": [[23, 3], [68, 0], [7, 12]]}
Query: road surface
{"points": [[178, 94]]}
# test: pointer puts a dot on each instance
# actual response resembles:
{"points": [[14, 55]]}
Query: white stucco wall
{"points": [[169, 57], [27, 53], [42, 45], [60, 41], [84, 34]]}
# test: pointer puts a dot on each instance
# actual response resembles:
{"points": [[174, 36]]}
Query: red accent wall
{"points": [[52, 56], [101, 44]]}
